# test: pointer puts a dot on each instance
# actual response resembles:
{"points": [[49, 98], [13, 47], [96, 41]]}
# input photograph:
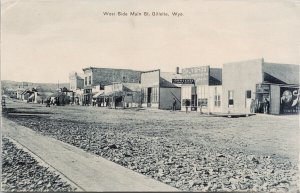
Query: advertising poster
{"points": [[289, 100]]}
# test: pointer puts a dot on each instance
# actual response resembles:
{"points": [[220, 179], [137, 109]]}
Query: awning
{"points": [[31, 96], [57, 94], [116, 93], [98, 94]]}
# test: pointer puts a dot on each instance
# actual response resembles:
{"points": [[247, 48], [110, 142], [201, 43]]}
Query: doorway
{"points": [[149, 93]]}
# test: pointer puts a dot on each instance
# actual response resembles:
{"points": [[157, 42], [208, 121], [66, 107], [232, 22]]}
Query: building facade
{"points": [[76, 81], [100, 77], [252, 86], [204, 95], [247, 85], [124, 95], [159, 91]]}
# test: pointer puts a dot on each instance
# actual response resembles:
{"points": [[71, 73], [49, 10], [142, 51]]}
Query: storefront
{"points": [[284, 99], [262, 98], [256, 86], [159, 91], [122, 95], [204, 94]]}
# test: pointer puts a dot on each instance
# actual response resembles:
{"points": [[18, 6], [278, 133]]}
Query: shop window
{"points": [[248, 100], [194, 100], [87, 91], [230, 98], [248, 94], [217, 98], [202, 102], [90, 80], [101, 86], [144, 95], [124, 79], [154, 94]]}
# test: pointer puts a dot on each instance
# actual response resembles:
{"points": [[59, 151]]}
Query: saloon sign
{"points": [[289, 100]]}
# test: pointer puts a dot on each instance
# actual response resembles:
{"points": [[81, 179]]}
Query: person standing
{"points": [[174, 104], [48, 101], [187, 104], [266, 106], [252, 106]]}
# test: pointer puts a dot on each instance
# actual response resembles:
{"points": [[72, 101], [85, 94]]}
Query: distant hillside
{"points": [[42, 87]]}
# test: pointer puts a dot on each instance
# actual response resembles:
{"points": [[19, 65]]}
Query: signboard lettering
{"points": [[262, 88], [199, 74], [183, 81]]}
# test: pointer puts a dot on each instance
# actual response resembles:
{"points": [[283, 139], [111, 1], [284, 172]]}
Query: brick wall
{"points": [[107, 76]]}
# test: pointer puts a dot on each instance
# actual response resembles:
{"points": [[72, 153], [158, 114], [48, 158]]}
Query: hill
{"points": [[42, 87]]}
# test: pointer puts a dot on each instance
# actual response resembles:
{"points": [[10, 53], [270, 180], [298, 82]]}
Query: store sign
{"points": [[262, 88], [289, 100], [183, 81], [199, 74]]}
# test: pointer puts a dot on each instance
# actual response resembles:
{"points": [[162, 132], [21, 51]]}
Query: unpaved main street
{"points": [[188, 151]]}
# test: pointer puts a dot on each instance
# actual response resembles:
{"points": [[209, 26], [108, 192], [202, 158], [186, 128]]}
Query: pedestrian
{"points": [[187, 104], [252, 106], [48, 103], [174, 104], [266, 106], [107, 102]]}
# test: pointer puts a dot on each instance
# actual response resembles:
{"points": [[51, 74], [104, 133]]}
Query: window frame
{"points": [[230, 98], [90, 80]]}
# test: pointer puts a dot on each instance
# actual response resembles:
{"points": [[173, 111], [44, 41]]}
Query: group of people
{"points": [[53, 101], [260, 107], [100, 102], [187, 104]]}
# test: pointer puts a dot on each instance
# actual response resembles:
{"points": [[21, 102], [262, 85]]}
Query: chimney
{"points": [[177, 70]]}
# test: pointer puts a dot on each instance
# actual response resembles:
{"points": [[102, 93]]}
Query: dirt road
{"points": [[187, 151]]}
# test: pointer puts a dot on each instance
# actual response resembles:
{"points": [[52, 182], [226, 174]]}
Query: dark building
{"points": [[96, 79]]}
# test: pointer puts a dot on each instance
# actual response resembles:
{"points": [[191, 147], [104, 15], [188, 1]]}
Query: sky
{"points": [[44, 40]]}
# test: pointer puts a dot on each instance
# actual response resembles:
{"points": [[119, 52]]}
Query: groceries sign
{"points": [[183, 81]]}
